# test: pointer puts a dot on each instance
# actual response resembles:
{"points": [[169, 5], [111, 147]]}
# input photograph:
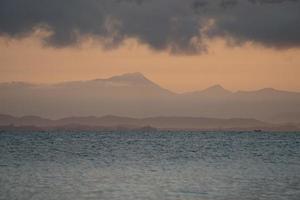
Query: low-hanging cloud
{"points": [[178, 26]]}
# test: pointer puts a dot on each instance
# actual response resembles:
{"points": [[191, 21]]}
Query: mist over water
{"points": [[141, 165]]}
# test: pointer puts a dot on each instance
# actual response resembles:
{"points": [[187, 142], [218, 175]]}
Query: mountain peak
{"points": [[267, 90], [216, 89], [136, 79], [136, 76]]}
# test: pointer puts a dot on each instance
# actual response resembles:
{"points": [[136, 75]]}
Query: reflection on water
{"points": [[158, 166]]}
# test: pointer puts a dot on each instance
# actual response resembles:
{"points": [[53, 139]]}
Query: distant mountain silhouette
{"points": [[111, 122], [213, 91], [130, 81], [127, 122], [216, 89], [133, 79], [135, 95], [290, 117]]}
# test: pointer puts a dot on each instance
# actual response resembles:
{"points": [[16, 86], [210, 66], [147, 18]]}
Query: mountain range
{"points": [[109, 122], [136, 96]]}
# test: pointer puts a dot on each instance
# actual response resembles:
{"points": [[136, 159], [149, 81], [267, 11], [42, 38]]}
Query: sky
{"points": [[181, 45]]}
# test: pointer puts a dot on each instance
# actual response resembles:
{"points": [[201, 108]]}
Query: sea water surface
{"points": [[143, 165]]}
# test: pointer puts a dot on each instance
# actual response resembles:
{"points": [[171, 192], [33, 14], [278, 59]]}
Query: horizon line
{"points": [[123, 116]]}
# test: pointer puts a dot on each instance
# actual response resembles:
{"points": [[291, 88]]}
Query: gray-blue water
{"points": [[158, 166]]}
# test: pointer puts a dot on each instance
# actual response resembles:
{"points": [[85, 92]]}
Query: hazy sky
{"points": [[181, 45]]}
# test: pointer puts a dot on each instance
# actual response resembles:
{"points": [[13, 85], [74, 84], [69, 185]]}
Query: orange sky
{"points": [[236, 68]]}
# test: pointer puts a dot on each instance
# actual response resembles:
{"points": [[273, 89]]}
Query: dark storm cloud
{"points": [[177, 25]]}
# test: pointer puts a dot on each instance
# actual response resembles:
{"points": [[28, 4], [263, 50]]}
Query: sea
{"points": [[141, 165]]}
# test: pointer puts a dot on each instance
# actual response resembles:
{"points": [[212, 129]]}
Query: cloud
{"points": [[174, 25]]}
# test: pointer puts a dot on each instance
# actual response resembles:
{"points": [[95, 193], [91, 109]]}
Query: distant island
{"points": [[151, 124]]}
